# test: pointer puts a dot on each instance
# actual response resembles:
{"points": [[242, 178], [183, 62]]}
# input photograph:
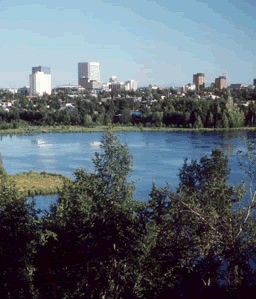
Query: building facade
{"points": [[69, 88], [237, 86], [187, 87], [221, 82], [40, 82], [151, 87], [24, 90], [90, 70], [117, 86], [131, 85], [199, 81], [90, 85]]}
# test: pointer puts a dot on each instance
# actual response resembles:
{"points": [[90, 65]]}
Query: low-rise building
{"points": [[90, 84], [152, 87], [24, 90], [11, 90], [115, 84], [237, 86], [69, 88], [187, 87]]}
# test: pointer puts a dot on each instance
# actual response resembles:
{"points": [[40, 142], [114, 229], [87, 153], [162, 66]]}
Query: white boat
{"points": [[95, 143]]}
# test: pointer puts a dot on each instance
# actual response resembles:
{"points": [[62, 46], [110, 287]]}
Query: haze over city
{"points": [[160, 42]]}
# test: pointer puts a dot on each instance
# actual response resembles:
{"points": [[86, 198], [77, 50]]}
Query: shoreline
{"points": [[79, 129]]}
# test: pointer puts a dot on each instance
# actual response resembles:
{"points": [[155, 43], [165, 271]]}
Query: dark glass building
{"points": [[43, 69]]}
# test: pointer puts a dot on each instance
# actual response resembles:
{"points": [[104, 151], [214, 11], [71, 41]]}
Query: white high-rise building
{"points": [[90, 70], [131, 85], [40, 81]]}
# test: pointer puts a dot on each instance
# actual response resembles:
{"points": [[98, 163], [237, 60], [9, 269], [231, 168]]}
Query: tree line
{"points": [[98, 241], [188, 112]]}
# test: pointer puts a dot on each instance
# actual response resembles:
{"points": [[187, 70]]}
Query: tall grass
{"points": [[114, 128], [32, 183]]}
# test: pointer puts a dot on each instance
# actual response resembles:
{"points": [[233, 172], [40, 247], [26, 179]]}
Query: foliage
{"points": [[98, 242], [172, 111], [97, 217], [19, 235], [2, 170]]}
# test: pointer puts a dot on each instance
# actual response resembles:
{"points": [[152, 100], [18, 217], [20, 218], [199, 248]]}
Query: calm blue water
{"points": [[157, 155]]}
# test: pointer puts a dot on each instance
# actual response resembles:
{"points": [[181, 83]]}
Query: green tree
{"points": [[108, 118], [225, 121], [87, 120], [126, 116], [2, 170], [19, 235], [157, 118], [205, 195], [209, 120], [198, 123], [196, 230], [96, 232]]}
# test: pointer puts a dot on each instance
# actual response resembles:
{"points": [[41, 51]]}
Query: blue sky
{"points": [[162, 42]]}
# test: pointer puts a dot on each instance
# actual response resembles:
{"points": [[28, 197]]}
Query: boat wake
{"points": [[95, 143]]}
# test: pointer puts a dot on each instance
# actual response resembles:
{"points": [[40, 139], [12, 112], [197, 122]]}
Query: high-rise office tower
{"points": [[131, 85], [40, 68], [221, 82], [199, 80], [40, 80], [90, 70]]}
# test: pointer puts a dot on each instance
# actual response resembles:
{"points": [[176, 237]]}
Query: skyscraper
{"points": [[40, 80], [40, 68], [221, 82], [90, 70], [199, 80]]}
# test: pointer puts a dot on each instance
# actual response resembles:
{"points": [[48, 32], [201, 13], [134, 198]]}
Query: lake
{"points": [[156, 155]]}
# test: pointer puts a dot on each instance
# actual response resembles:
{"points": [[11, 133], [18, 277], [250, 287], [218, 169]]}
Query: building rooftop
{"points": [[199, 74]]}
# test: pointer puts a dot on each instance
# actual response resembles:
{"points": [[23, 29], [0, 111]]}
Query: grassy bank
{"points": [[32, 183], [77, 129]]}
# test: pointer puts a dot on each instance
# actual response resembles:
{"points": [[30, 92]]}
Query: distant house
{"points": [[153, 87], [135, 99], [6, 104], [212, 96], [68, 106]]}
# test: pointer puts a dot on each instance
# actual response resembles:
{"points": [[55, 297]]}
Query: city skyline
{"points": [[162, 43]]}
